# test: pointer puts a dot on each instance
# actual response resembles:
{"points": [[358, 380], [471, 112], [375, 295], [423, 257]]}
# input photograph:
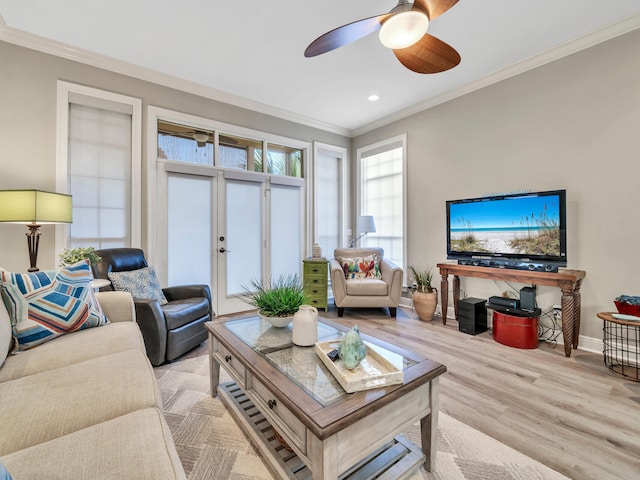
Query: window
{"points": [[99, 164], [185, 144], [99, 177], [240, 153], [381, 183], [329, 197], [282, 160]]}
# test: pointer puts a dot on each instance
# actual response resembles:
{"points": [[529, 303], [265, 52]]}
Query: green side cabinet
{"points": [[315, 282]]}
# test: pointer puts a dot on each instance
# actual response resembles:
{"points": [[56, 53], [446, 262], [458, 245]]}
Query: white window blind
{"points": [[382, 195], [328, 202], [99, 152]]}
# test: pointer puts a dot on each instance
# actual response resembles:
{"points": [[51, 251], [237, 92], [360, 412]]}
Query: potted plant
{"points": [[69, 256], [424, 296], [276, 299]]}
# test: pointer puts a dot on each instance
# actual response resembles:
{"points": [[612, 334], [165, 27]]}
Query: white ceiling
{"points": [[250, 52]]}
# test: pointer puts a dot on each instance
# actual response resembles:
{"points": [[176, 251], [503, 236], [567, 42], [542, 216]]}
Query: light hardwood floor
{"points": [[571, 414]]}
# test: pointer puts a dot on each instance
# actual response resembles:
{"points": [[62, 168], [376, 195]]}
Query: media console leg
{"points": [[456, 294], [568, 319], [444, 296], [576, 313]]}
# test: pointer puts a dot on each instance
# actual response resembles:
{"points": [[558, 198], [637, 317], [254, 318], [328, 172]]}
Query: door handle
{"points": [[223, 250]]}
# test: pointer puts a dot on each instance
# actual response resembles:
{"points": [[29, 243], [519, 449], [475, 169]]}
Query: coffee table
{"points": [[282, 390]]}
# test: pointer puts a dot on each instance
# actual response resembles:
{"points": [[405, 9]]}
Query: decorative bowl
{"points": [[278, 322], [627, 308]]}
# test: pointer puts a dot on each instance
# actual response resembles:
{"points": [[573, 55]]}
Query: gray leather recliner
{"points": [[169, 330]]}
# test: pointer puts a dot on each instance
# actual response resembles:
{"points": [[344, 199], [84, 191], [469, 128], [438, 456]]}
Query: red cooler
{"points": [[518, 332]]}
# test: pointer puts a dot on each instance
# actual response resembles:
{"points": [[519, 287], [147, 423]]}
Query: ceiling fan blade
{"points": [[428, 55], [434, 8], [343, 35]]}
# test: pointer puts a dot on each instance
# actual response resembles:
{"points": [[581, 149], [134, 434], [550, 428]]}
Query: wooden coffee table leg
{"points": [[214, 369], [323, 455], [429, 428]]}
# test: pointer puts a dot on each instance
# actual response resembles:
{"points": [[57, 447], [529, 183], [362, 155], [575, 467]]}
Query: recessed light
{"points": [[374, 97]]}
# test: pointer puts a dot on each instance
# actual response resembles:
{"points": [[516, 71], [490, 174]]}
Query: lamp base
{"points": [[354, 241], [33, 242]]}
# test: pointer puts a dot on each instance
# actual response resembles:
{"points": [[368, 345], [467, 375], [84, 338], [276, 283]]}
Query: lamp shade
{"points": [[366, 224], [35, 206]]}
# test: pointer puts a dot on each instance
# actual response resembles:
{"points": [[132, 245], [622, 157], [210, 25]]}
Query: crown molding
{"points": [[59, 49], [568, 48]]}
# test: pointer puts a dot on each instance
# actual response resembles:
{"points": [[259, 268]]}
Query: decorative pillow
{"points": [[6, 337], [45, 305], [361, 267], [141, 284], [4, 475]]}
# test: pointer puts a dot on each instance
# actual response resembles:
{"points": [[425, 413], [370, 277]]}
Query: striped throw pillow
{"points": [[45, 305]]}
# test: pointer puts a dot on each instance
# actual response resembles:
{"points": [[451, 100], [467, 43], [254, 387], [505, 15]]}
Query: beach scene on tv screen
{"points": [[520, 225]]}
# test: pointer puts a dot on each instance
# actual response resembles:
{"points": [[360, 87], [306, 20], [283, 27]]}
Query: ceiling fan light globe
{"points": [[201, 138], [403, 29]]}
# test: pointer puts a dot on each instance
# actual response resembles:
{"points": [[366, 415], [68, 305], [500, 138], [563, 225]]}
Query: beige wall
{"points": [[572, 124], [28, 82]]}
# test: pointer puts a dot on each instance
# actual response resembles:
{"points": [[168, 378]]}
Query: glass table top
{"points": [[301, 364]]}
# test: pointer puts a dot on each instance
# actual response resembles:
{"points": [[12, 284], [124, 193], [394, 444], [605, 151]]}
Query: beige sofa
{"points": [[86, 405], [365, 292]]}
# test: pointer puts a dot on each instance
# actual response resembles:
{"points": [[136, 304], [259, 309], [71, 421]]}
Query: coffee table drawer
{"points": [[230, 363], [280, 417]]}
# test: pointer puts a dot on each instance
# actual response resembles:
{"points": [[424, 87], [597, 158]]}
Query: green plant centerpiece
{"points": [[69, 256], [425, 297], [276, 299]]}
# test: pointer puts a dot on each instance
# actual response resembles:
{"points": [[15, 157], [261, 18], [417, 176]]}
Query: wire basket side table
{"points": [[621, 346]]}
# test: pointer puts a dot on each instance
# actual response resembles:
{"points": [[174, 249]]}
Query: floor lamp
{"points": [[365, 225], [34, 207]]}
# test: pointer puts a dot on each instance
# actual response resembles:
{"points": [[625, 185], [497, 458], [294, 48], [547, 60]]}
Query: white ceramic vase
{"points": [[305, 326]]}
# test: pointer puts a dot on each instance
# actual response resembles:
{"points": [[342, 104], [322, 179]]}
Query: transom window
{"points": [[182, 143]]}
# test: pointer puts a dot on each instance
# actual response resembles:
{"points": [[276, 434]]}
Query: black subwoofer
{"points": [[472, 315]]}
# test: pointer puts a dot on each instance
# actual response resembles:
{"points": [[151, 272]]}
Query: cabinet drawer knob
{"points": [[227, 358], [272, 404]]}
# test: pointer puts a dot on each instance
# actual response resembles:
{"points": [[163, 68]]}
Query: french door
{"points": [[240, 237], [226, 228]]}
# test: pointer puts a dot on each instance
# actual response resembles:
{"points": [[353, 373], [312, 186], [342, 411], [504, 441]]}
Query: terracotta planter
{"points": [[425, 304]]}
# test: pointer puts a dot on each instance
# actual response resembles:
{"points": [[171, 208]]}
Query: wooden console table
{"points": [[569, 281]]}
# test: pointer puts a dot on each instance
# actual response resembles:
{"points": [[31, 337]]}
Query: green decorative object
{"points": [[69, 256], [352, 350]]}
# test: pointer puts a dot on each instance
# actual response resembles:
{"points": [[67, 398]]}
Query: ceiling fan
{"points": [[404, 30]]}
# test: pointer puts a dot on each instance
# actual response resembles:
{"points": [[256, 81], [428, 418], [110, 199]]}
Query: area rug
{"points": [[211, 445]]}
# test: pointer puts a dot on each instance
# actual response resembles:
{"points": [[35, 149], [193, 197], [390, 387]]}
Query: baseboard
{"points": [[590, 344]]}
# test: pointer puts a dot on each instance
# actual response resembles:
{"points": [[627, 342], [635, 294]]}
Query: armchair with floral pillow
{"points": [[362, 277]]}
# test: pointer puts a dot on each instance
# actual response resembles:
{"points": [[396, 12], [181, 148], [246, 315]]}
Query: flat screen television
{"points": [[519, 230]]}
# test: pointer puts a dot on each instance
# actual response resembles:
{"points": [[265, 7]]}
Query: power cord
{"points": [[549, 328]]}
